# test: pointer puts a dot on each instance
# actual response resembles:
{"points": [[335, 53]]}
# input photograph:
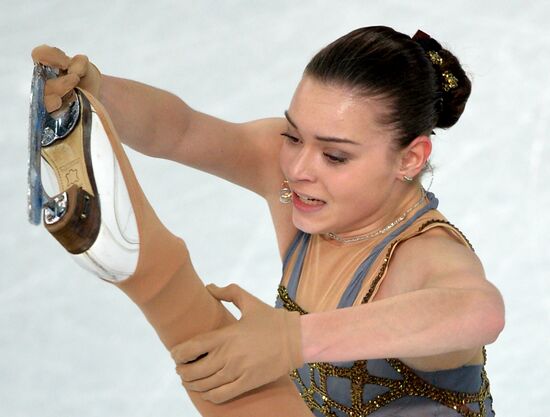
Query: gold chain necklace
{"points": [[390, 226]]}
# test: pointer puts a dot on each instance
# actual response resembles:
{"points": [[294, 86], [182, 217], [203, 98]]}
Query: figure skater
{"points": [[383, 308]]}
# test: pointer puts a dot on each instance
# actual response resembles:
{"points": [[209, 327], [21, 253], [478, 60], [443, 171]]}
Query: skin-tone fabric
{"points": [[231, 367], [170, 294], [74, 71], [319, 291], [421, 393], [325, 256]]}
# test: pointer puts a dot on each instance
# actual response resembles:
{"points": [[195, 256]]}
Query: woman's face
{"points": [[338, 160]]}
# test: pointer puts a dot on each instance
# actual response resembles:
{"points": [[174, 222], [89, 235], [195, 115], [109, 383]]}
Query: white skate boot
{"points": [[90, 212]]}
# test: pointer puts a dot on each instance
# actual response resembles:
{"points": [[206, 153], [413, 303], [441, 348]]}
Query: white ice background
{"points": [[72, 345]]}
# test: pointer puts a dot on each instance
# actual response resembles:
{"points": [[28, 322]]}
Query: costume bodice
{"points": [[380, 387]]}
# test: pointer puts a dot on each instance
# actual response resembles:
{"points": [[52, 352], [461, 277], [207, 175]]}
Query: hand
{"points": [[262, 346], [77, 71]]}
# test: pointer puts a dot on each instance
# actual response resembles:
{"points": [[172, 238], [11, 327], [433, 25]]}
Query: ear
{"points": [[415, 156]]}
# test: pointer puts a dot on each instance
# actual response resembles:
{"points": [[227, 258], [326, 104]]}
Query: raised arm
{"points": [[158, 123]]}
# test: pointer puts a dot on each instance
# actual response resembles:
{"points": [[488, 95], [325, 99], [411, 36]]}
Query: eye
{"points": [[291, 139], [333, 159]]}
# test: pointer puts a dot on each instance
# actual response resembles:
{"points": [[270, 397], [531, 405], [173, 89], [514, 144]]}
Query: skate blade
{"points": [[37, 115], [42, 130], [45, 130]]}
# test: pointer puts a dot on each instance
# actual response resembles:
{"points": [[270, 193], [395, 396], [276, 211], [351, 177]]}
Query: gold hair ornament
{"points": [[449, 80]]}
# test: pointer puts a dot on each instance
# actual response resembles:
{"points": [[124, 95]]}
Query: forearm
{"points": [[420, 323], [148, 119]]}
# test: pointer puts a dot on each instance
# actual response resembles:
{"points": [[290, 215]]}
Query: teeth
{"points": [[308, 200]]}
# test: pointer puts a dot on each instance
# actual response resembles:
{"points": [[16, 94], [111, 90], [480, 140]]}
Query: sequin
{"points": [[409, 384]]}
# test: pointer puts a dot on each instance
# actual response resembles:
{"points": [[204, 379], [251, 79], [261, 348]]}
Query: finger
{"points": [[78, 65], [61, 85], [228, 391], [232, 293], [51, 56], [215, 381], [52, 102], [194, 347], [200, 369]]}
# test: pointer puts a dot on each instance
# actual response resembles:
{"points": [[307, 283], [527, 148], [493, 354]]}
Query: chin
{"points": [[308, 225]]}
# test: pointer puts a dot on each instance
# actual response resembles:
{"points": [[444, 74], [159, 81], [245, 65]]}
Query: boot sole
{"points": [[69, 158]]}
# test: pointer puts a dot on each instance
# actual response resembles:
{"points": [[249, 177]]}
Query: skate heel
{"points": [[72, 216]]}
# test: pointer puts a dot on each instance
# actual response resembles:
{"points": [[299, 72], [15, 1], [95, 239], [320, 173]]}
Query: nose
{"points": [[302, 166]]}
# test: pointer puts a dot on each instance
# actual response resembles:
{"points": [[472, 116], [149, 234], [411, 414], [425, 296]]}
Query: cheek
{"points": [[361, 188], [353, 196]]}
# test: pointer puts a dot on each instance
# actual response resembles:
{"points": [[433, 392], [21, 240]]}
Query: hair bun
{"points": [[453, 101]]}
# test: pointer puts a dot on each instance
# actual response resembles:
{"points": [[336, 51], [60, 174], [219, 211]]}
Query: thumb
{"points": [[232, 293], [51, 56]]}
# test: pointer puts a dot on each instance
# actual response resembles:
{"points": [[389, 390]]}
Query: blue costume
{"points": [[383, 387]]}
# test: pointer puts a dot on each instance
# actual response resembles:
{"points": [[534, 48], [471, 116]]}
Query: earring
{"points": [[285, 194], [407, 178], [430, 168]]}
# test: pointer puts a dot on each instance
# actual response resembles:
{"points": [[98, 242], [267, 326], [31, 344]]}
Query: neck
{"points": [[393, 212]]}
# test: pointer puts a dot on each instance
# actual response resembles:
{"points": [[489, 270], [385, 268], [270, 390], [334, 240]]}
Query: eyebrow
{"points": [[322, 138]]}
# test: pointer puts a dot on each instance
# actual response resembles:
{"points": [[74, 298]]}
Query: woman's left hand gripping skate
{"points": [[262, 346], [77, 71]]}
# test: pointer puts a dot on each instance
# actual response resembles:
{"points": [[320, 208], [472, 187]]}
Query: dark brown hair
{"points": [[379, 62]]}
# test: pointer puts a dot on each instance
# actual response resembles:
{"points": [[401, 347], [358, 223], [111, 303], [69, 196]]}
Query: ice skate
{"points": [[87, 207]]}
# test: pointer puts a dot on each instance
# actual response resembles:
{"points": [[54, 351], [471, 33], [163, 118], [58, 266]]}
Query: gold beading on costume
{"points": [[410, 384], [314, 387], [449, 80]]}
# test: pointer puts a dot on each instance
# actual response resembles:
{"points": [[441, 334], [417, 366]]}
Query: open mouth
{"points": [[310, 201]]}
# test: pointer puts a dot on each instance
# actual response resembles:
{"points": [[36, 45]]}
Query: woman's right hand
{"points": [[77, 71]]}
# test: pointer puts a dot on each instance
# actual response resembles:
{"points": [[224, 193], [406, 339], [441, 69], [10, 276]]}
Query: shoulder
{"points": [[436, 258], [268, 129], [264, 136]]}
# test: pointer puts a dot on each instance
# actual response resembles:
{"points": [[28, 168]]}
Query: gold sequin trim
{"points": [[384, 265], [450, 225], [410, 384]]}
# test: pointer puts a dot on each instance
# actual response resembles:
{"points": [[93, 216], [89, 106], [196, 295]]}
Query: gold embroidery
{"points": [[384, 266], [410, 383], [380, 274]]}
